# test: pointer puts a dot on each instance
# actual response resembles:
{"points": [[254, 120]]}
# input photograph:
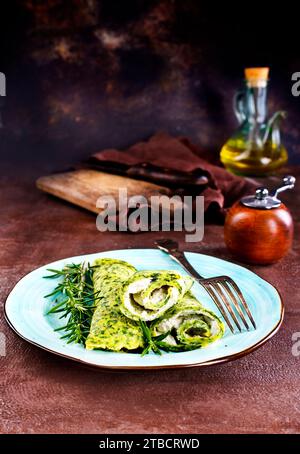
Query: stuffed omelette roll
{"points": [[110, 330], [190, 325], [147, 295]]}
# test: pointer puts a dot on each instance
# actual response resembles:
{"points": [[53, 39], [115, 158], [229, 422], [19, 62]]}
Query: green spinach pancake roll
{"points": [[189, 324], [147, 295], [110, 330]]}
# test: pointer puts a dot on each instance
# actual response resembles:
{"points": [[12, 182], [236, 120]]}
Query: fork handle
{"points": [[179, 257]]}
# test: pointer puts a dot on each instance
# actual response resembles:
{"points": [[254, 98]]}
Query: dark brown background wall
{"points": [[88, 74]]}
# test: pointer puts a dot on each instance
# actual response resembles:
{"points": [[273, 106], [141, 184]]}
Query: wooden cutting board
{"points": [[83, 187]]}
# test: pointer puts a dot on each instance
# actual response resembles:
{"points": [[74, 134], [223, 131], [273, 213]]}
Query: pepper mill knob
{"points": [[289, 180], [261, 193]]}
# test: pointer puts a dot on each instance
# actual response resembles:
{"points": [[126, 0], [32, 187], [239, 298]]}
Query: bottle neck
{"points": [[256, 104]]}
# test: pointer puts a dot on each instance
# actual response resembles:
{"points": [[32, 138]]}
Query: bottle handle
{"points": [[239, 106], [273, 129]]}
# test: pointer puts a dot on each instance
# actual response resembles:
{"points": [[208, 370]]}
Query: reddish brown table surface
{"points": [[41, 392]]}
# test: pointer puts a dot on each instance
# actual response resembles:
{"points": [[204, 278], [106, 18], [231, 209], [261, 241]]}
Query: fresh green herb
{"points": [[152, 343], [75, 299]]}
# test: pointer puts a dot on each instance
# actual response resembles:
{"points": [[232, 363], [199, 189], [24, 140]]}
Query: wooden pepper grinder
{"points": [[259, 228]]}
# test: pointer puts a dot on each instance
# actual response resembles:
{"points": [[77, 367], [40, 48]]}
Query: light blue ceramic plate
{"points": [[26, 307]]}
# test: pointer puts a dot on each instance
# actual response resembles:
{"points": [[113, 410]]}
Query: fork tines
{"points": [[230, 301]]}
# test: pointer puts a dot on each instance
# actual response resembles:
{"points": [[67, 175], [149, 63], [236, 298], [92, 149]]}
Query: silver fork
{"points": [[222, 289]]}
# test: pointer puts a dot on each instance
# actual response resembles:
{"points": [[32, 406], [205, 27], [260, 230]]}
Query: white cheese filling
{"points": [[136, 307], [175, 322]]}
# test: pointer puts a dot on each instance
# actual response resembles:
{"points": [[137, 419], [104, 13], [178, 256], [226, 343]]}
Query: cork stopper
{"points": [[257, 77]]}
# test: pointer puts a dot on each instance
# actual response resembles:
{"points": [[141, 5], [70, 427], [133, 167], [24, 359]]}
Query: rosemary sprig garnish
{"points": [[75, 299], [152, 343]]}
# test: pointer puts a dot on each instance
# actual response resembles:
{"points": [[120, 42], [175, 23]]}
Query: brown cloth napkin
{"points": [[179, 154]]}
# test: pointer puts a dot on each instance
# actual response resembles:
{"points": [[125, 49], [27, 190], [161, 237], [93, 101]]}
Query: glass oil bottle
{"points": [[255, 148]]}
